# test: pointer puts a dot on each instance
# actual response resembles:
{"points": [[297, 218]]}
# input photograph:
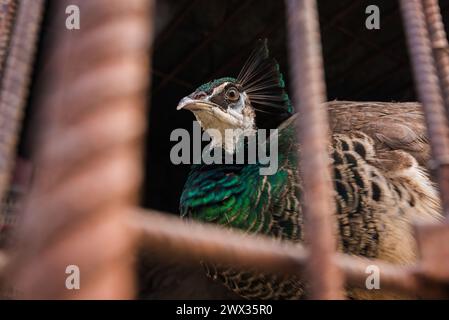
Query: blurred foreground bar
{"points": [[186, 243], [91, 122], [309, 95], [19, 31]]}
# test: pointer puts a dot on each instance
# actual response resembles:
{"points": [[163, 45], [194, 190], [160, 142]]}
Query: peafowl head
{"points": [[255, 99]]}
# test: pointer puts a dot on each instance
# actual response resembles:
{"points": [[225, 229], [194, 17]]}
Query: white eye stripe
{"points": [[219, 89]]}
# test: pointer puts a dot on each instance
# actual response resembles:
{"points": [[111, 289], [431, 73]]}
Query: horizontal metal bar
{"points": [[175, 240], [171, 239]]}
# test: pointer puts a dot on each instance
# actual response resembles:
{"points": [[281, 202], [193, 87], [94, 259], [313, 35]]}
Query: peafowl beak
{"points": [[188, 103], [210, 114]]}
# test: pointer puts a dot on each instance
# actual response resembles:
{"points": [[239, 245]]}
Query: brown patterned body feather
{"points": [[378, 153]]}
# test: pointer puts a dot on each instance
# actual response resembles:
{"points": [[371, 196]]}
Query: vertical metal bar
{"points": [[309, 97], [426, 82], [8, 9], [439, 44], [88, 160], [440, 48], [20, 38]]}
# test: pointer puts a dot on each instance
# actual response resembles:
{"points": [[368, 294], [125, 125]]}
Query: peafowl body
{"points": [[377, 153]]}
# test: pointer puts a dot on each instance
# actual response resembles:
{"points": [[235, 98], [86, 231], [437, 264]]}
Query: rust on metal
{"points": [[169, 238], [440, 45], [17, 64], [309, 95], [88, 164], [434, 251], [427, 85], [8, 9]]}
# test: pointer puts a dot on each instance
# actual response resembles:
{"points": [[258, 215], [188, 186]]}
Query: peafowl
{"points": [[377, 152]]}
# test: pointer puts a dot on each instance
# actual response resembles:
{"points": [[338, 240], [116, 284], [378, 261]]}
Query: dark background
{"points": [[200, 40]]}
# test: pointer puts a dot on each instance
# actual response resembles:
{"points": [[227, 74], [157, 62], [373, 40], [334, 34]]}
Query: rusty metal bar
{"points": [[171, 239], [186, 242], [309, 96], [427, 85], [3, 263], [439, 44], [8, 9], [15, 78], [3, 260], [88, 164]]}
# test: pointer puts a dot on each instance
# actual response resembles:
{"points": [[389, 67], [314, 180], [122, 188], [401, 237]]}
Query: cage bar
{"points": [[440, 45], [19, 35], [8, 9], [88, 164], [170, 239], [309, 95], [427, 85]]}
